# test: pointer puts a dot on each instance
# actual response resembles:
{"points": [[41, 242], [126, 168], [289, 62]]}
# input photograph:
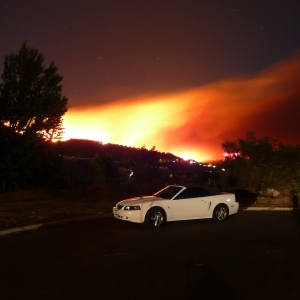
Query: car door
{"points": [[191, 203]]}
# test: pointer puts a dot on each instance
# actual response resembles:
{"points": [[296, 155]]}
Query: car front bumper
{"points": [[128, 215]]}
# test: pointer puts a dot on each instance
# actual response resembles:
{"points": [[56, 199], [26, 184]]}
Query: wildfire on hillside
{"points": [[194, 123]]}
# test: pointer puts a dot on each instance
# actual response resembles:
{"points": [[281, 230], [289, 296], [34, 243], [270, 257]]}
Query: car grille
{"points": [[120, 206]]}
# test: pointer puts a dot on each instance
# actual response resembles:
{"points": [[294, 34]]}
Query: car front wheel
{"points": [[220, 213], [155, 217]]}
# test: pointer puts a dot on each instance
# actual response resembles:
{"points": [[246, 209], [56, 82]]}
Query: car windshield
{"points": [[168, 192]]}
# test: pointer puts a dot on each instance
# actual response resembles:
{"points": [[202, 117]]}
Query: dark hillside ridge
{"points": [[146, 164], [80, 148]]}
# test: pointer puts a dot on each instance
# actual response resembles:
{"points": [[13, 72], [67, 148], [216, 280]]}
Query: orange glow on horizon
{"points": [[192, 124], [150, 121]]}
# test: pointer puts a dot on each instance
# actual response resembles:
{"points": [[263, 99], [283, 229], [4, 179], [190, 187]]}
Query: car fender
{"points": [[217, 204], [159, 204]]}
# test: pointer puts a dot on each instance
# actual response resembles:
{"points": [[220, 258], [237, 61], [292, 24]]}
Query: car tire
{"points": [[220, 213], [155, 217]]}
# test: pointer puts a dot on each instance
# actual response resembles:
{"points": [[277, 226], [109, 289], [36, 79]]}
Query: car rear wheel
{"points": [[220, 213], [155, 217]]}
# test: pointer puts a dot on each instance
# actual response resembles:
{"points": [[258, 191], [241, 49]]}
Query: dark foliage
{"points": [[31, 108], [261, 164]]}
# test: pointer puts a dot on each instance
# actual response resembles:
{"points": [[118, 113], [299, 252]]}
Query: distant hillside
{"points": [[129, 157], [80, 148]]}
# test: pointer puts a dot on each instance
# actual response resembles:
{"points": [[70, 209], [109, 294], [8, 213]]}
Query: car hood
{"points": [[137, 200]]}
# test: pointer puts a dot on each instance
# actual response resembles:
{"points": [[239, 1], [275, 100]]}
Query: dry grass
{"points": [[26, 207]]}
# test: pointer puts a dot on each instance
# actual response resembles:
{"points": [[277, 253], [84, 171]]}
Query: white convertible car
{"points": [[177, 202]]}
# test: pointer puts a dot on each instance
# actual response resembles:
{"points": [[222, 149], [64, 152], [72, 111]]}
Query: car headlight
{"points": [[133, 207]]}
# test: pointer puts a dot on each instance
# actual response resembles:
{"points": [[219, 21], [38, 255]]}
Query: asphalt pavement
{"points": [[255, 255]]}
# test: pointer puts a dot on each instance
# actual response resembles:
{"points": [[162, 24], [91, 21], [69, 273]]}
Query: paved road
{"points": [[254, 255]]}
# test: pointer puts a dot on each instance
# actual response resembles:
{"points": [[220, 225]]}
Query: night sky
{"points": [[180, 75]]}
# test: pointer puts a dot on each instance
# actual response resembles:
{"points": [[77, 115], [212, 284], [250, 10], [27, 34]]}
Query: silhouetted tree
{"points": [[31, 110], [105, 169], [262, 164]]}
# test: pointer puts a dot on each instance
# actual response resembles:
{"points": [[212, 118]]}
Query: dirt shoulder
{"points": [[30, 207]]}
